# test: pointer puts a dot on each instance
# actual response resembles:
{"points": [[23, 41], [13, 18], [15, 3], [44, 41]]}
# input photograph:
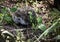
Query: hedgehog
{"points": [[22, 16]]}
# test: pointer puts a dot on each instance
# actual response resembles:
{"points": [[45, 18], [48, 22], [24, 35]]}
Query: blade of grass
{"points": [[47, 31]]}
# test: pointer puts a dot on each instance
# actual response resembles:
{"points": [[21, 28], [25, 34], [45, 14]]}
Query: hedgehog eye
{"points": [[18, 19]]}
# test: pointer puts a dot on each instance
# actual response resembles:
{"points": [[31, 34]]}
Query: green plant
{"points": [[8, 19], [13, 9], [32, 19], [6, 16], [1, 17], [45, 33], [42, 27], [39, 20], [54, 14]]}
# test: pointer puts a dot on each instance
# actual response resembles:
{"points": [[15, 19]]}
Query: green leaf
{"points": [[39, 20], [13, 9], [8, 19], [4, 10], [42, 27], [1, 17], [33, 20], [30, 15]]}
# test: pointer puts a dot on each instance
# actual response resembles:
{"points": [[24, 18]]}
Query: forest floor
{"points": [[49, 17]]}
